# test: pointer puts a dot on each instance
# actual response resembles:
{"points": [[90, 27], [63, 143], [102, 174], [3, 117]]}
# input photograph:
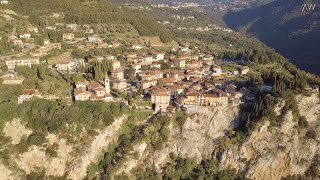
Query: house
{"points": [[110, 57], [68, 36], [12, 79], [4, 2], [244, 70], [27, 94], [160, 100], [15, 41], [42, 51], [155, 66], [12, 63], [115, 65], [70, 65], [136, 47], [137, 68], [179, 63], [72, 26], [24, 36], [145, 84], [216, 71], [51, 28], [89, 31], [157, 56], [54, 45], [118, 74], [194, 64], [94, 38], [203, 99], [119, 84], [147, 60], [55, 15]]}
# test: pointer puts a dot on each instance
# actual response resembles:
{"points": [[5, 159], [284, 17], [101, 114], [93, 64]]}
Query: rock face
{"points": [[16, 131], [197, 138], [36, 159], [276, 152]]}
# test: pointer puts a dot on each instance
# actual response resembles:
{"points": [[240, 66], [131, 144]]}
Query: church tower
{"points": [[107, 83]]}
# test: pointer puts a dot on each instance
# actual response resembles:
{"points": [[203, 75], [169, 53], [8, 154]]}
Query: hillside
{"points": [[90, 12], [285, 27]]}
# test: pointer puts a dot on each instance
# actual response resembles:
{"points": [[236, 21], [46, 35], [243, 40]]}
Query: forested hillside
{"points": [[90, 12], [284, 26]]}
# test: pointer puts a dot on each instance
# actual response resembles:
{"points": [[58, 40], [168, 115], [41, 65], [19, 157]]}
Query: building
{"points": [[93, 91], [4, 2], [94, 38], [179, 63], [216, 71], [160, 100], [157, 56], [119, 85], [15, 41], [55, 15], [147, 60], [12, 79], [244, 70], [12, 63], [72, 26], [145, 84], [204, 99], [116, 65], [24, 36], [194, 64], [71, 65], [28, 94], [68, 36], [136, 47], [118, 74], [110, 57]]}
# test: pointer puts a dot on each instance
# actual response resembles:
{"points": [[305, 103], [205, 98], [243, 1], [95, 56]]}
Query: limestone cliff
{"points": [[276, 152], [199, 135]]}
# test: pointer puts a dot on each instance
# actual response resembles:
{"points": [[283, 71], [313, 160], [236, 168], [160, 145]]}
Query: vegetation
{"points": [[90, 12], [186, 168]]}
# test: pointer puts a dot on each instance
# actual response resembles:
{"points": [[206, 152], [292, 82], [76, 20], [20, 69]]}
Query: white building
{"points": [[72, 65], [217, 71], [4, 2], [12, 63], [157, 56], [68, 36], [94, 38], [24, 36], [27, 94]]}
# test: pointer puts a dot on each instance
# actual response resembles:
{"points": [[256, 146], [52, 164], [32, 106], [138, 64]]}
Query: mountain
{"points": [[283, 25]]}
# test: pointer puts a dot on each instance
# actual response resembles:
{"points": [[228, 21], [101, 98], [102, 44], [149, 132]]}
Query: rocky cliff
{"points": [[276, 152], [198, 136], [268, 152]]}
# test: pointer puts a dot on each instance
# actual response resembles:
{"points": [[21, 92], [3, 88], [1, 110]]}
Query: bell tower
{"points": [[107, 83]]}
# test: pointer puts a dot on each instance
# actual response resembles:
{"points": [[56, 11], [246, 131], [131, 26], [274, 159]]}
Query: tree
{"points": [[131, 73]]}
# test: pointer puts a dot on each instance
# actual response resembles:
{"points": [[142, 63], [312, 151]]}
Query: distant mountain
{"points": [[283, 25]]}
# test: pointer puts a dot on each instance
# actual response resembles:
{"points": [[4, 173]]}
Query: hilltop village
{"points": [[142, 74]]}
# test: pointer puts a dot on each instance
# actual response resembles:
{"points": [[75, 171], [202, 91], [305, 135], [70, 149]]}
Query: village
{"points": [[165, 79]]}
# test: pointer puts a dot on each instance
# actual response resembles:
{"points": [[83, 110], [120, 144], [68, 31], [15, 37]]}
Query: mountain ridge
{"points": [[285, 27]]}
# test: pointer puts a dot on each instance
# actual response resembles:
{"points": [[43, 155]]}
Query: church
{"points": [[93, 90]]}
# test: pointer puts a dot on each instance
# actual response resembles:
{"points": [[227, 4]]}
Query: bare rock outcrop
{"points": [[276, 152], [197, 138]]}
